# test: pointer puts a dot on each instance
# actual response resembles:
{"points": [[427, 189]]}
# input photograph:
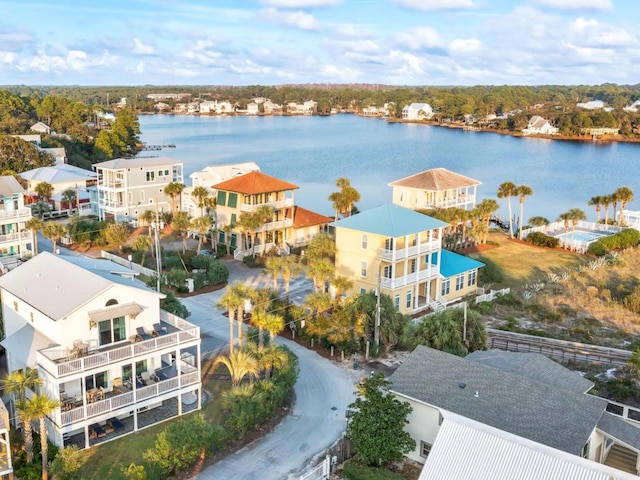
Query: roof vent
{"points": [[476, 394], [462, 384]]}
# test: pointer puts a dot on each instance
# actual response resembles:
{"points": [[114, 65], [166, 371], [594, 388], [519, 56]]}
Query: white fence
{"points": [[130, 265], [488, 297], [319, 472]]}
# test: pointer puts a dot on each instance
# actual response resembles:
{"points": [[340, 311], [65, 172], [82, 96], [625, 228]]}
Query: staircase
{"points": [[622, 458]]}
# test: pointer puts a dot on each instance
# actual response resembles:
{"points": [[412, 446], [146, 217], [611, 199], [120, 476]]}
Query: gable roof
{"points": [[9, 186], [466, 450], [61, 173], [24, 344], [253, 183], [436, 179], [534, 366], [614, 426], [117, 163], [54, 286], [454, 264], [390, 220], [533, 410], [306, 218]]}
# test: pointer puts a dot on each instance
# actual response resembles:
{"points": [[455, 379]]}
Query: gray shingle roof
{"points": [[509, 402], [620, 430], [533, 366], [117, 163]]}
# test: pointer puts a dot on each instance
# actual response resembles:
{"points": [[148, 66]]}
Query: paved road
{"points": [[323, 392]]}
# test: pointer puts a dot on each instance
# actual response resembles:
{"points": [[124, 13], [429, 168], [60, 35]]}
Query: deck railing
{"points": [[401, 253]]}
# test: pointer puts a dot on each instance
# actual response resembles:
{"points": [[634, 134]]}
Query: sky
{"points": [[274, 42]]}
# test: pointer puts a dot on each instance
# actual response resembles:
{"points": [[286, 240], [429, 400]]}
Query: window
{"points": [[111, 331], [159, 173], [96, 380], [388, 271], [446, 287], [363, 291], [585, 450], [166, 173], [151, 176], [233, 200], [412, 265], [396, 302], [233, 220], [425, 448], [434, 258], [142, 195], [140, 367], [460, 282], [363, 269], [222, 198], [409, 299], [472, 278], [388, 244], [364, 241]]}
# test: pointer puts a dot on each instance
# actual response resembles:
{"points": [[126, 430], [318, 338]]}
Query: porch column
{"points": [[86, 436], [180, 402], [199, 393]]}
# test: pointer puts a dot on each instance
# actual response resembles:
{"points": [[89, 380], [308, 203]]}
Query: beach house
{"points": [[539, 126], [417, 111], [16, 241]]}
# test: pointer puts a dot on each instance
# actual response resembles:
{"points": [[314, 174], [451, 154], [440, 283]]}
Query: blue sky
{"points": [[271, 42]]}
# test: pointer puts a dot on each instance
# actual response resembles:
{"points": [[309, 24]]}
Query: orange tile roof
{"points": [[306, 218], [437, 179], [253, 183]]}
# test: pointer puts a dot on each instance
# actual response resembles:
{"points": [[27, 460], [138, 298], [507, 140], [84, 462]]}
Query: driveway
{"points": [[323, 392]]}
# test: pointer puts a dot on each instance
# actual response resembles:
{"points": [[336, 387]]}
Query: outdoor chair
{"points": [[115, 423], [96, 431], [142, 334], [117, 385], [159, 330], [146, 378]]}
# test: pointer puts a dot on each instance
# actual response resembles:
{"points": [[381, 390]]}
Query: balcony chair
{"points": [[117, 387], [115, 423], [147, 379], [159, 330], [96, 431], [142, 334]]}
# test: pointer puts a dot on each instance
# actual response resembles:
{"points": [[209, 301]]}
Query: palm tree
{"points": [[344, 199], [142, 243], [19, 381], [173, 189], [69, 197], [26, 416], [565, 217], [44, 190], [523, 191], [240, 363], [596, 202], [624, 196], [260, 303], [272, 358], [538, 221], [320, 271], [40, 208], [234, 299], [202, 225], [485, 209], [211, 204], [318, 302], [200, 193], [274, 267], [250, 222], [264, 213], [181, 223], [273, 324], [341, 285], [508, 190], [291, 267], [575, 214], [41, 406], [230, 301], [35, 225], [606, 201], [54, 232]]}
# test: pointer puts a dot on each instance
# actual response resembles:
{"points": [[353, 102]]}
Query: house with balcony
{"points": [[306, 225], [496, 414], [101, 345], [400, 251], [417, 111], [127, 187], [435, 188], [16, 241]]}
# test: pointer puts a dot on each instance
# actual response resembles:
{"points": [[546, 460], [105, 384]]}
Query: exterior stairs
{"points": [[622, 458]]}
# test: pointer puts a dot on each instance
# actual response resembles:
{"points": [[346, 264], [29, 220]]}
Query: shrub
{"points": [[626, 238], [217, 272], [490, 273], [66, 463], [354, 471], [596, 248], [172, 261], [508, 299], [200, 262], [176, 277], [543, 240], [484, 307]]}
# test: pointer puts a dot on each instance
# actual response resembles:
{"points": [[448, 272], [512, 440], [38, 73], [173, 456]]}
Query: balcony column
{"points": [[86, 436]]}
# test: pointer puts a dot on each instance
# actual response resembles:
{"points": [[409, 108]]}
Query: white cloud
{"points": [[433, 5], [420, 38], [593, 33], [300, 20], [301, 3], [140, 68], [141, 48], [465, 46], [7, 57], [604, 5], [73, 61]]}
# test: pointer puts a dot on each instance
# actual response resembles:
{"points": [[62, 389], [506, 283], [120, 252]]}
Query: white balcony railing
{"points": [[16, 236], [402, 253], [55, 360], [410, 279], [117, 185], [111, 204], [22, 213], [460, 200], [131, 397], [270, 226], [277, 205]]}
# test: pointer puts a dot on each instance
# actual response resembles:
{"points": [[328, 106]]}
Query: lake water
{"points": [[312, 152]]}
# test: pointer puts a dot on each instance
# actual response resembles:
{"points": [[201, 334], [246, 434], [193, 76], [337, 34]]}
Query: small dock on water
{"points": [[147, 147]]}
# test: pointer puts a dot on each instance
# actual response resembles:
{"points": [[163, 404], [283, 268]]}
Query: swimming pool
{"points": [[581, 236]]}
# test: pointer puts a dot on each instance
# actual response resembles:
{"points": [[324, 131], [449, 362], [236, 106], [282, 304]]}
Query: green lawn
{"points": [[106, 460], [524, 263]]}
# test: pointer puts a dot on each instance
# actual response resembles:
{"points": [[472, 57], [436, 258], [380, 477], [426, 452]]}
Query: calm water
{"points": [[313, 151]]}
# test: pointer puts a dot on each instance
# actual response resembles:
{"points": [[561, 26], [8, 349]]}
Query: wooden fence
{"points": [[130, 265]]}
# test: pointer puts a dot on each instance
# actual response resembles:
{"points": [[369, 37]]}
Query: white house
{"points": [[633, 107], [40, 127], [102, 346], [591, 105], [213, 106], [35, 139], [417, 111], [252, 108], [523, 395], [539, 126], [16, 241], [59, 153]]}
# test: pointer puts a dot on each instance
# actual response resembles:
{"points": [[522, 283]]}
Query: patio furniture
{"points": [[161, 375], [142, 334], [95, 395], [96, 431], [108, 428], [147, 379], [117, 385], [159, 330], [115, 423]]}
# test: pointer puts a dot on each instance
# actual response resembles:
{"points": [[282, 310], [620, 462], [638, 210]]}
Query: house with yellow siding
{"points": [[400, 251]]}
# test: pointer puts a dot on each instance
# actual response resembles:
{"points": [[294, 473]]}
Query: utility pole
{"points": [[376, 332]]}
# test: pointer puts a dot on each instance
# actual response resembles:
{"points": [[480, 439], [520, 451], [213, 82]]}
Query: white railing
{"points": [[111, 204], [419, 276], [117, 402], [401, 253], [130, 265], [277, 205], [16, 236], [21, 212], [556, 228], [451, 202], [319, 472], [488, 297], [276, 225], [112, 185]]}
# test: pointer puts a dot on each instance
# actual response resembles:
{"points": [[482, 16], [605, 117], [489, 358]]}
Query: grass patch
{"points": [[355, 471], [520, 262], [107, 460]]}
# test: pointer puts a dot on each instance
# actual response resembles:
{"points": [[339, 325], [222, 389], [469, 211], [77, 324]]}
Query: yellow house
{"points": [[400, 251], [435, 188]]}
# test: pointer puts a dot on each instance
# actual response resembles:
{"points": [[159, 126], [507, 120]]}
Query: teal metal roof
{"points": [[389, 220], [453, 264]]}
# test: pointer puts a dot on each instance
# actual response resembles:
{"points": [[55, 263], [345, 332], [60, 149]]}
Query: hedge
{"points": [[542, 240], [626, 238]]}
